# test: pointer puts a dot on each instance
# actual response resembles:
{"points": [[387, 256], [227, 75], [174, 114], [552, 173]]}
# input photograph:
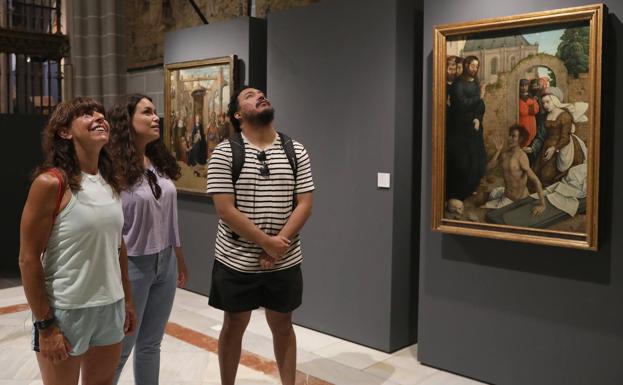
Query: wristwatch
{"points": [[44, 324]]}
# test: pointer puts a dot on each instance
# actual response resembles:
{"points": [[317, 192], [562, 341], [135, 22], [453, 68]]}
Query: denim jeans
{"points": [[153, 278]]}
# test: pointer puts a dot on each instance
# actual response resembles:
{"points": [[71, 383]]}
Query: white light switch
{"points": [[382, 180]]}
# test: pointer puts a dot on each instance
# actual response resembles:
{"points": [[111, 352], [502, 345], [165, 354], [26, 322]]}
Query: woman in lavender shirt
{"points": [[155, 261]]}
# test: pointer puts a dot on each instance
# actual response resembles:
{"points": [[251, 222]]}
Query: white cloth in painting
{"points": [[565, 195], [566, 154], [497, 199]]}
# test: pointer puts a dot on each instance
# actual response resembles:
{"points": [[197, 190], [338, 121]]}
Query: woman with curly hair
{"points": [[155, 263], [72, 258]]}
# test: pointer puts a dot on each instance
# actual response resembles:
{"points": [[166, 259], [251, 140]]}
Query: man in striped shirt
{"points": [[258, 247]]}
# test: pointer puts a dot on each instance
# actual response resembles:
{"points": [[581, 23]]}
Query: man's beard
{"points": [[469, 75], [262, 118]]}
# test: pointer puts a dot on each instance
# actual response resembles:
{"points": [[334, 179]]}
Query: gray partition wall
{"points": [[510, 313], [341, 79], [246, 38]]}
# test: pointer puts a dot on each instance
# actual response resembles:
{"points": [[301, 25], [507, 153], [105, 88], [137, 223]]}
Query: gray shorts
{"points": [[89, 326]]}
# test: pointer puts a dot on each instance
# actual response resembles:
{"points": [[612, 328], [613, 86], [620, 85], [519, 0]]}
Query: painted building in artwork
{"points": [[454, 47], [499, 54]]}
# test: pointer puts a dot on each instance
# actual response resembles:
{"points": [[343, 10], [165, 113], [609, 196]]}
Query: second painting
{"points": [[516, 127], [196, 97]]}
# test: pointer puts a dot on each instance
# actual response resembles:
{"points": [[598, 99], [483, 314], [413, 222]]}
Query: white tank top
{"points": [[81, 261]]}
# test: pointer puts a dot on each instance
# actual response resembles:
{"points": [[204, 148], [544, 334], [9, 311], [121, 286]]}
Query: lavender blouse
{"points": [[150, 224]]}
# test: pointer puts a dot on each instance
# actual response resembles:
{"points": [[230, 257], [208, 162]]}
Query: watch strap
{"points": [[44, 324]]}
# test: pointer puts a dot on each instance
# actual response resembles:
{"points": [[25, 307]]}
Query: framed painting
{"points": [[516, 127], [196, 97]]}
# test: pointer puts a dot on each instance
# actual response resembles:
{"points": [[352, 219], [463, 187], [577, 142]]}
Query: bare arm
{"points": [[182, 273], [299, 216], [499, 144], [275, 246], [35, 228], [129, 325], [295, 223], [525, 166]]}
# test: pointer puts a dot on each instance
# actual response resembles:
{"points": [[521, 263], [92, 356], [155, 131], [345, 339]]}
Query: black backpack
{"points": [[238, 156]]}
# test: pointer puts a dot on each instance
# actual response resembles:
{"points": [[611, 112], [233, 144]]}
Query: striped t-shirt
{"points": [[265, 200]]}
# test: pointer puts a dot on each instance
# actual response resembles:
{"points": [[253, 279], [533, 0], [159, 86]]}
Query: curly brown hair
{"points": [[60, 153], [122, 136]]}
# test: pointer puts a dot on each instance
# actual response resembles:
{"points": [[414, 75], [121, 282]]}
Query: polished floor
{"points": [[189, 351]]}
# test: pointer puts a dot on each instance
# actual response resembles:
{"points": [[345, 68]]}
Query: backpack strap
{"points": [[288, 148], [61, 191], [237, 151], [237, 154]]}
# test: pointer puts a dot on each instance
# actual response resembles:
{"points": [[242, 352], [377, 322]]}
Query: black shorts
{"points": [[233, 291]]}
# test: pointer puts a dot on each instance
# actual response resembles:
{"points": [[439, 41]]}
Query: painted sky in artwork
{"points": [[548, 41]]}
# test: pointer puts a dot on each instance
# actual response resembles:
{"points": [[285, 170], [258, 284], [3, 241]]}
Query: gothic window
{"points": [[494, 66]]}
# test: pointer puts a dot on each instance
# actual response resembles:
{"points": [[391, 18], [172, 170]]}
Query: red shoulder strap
{"points": [[60, 192]]}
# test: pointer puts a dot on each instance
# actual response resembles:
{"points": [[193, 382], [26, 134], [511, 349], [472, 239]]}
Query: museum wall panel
{"points": [[341, 78], [510, 313]]}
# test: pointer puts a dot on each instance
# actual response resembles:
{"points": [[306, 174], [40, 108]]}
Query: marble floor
{"points": [[189, 351]]}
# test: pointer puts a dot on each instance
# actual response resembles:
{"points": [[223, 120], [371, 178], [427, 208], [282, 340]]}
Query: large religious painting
{"points": [[196, 97], [516, 127]]}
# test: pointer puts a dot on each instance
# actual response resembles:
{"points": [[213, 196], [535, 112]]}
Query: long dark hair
{"points": [[466, 62], [122, 137], [60, 152]]}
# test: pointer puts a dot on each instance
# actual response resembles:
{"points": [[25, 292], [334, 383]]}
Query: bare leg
{"points": [[284, 344], [230, 344], [65, 372], [99, 364]]}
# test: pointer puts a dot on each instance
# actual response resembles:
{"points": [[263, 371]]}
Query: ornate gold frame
{"points": [[594, 14], [231, 60]]}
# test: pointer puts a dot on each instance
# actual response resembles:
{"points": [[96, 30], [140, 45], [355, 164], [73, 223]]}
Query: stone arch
{"points": [[539, 60], [553, 82]]}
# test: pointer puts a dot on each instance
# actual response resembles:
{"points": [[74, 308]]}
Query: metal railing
{"points": [[31, 84], [31, 51]]}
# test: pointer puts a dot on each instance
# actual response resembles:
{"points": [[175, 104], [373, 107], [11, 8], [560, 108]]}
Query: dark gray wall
{"points": [[510, 313], [20, 155], [246, 38], [341, 78]]}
